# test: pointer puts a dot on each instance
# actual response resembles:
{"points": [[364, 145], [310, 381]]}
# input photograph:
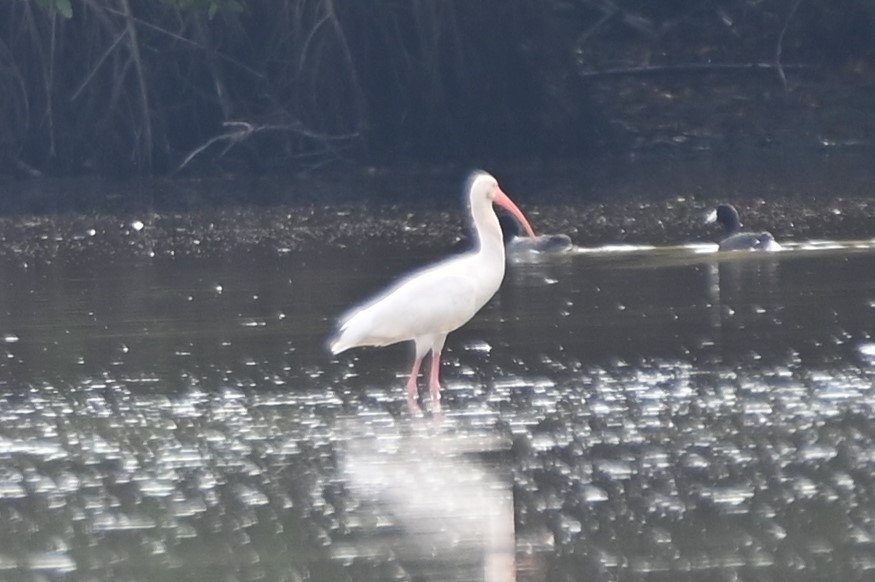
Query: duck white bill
{"points": [[712, 217]]}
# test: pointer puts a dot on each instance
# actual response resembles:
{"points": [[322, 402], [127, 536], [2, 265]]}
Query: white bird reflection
{"points": [[452, 511]]}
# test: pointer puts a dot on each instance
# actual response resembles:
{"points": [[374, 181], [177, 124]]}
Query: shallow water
{"points": [[654, 411]]}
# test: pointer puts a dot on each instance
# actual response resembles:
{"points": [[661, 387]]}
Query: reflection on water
{"points": [[616, 413], [454, 513]]}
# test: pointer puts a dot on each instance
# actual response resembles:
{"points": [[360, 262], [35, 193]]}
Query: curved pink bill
{"points": [[502, 200]]}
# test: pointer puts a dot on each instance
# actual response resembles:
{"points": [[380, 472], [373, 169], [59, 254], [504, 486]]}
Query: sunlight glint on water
{"points": [[654, 411]]}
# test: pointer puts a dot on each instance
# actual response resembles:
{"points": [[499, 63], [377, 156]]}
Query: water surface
{"points": [[638, 409]]}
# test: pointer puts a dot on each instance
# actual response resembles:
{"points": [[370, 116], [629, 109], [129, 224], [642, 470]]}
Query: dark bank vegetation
{"points": [[159, 86]]}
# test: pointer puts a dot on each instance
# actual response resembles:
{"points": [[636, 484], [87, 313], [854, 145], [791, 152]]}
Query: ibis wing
{"points": [[435, 300]]}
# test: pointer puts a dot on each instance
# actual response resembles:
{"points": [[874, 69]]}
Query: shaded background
{"points": [[125, 88]]}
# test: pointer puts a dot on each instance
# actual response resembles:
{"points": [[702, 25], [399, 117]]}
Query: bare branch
{"points": [[242, 130], [50, 82], [305, 48], [688, 68], [350, 63], [583, 37], [780, 48], [15, 74], [97, 65], [141, 79], [188, 41]]}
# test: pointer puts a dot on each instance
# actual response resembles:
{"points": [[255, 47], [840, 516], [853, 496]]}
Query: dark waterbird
{"points": [[735, 240], [543, 243]]}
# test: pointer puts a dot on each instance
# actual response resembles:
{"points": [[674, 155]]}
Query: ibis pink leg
{"points": [[434, 383], [412, 392]]}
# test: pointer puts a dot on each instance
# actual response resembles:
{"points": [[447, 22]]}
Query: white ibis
{"points": [[733, 239], [428, 304]]}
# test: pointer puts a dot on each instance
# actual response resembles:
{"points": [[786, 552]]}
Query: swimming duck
{"points": [[543, 243], [733, 240]]}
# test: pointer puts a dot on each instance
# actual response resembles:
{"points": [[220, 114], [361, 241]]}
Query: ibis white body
{"points": [[428, 304]]}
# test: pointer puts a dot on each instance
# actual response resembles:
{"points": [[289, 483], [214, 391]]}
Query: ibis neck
{"points": [[488, 231]]}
